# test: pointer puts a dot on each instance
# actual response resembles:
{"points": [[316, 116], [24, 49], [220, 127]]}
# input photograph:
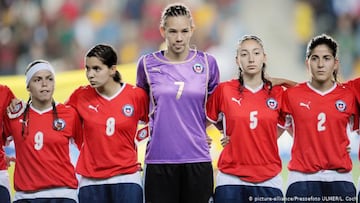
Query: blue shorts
{"points": [[119, 193], [321, 191], [322, 186], [4, 194], [246, 193], [122, 188], [231, 189]]}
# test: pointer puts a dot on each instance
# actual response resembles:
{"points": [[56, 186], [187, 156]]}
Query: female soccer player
{"points": [[249, 165], [355, 85], [110, 111], [321, 112], [42, 134], [6, 97], [178, 80]]}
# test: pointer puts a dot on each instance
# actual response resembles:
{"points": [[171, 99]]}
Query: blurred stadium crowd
{"points": [[62, 30]]}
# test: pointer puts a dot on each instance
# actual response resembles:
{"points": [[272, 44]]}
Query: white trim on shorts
{"points": [[123, 178], [5, 180], [226, 179], [322, 176], [60, 192]]}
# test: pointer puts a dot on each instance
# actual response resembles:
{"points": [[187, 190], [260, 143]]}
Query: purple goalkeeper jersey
{"points": [[178, 93]]}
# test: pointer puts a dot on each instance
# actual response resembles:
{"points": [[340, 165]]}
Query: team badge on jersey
{"points": [[59, 124], [340, 105], [272, 103], [128, 110], [142, 134], [198, 68]]}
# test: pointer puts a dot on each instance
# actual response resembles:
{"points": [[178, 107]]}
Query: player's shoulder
{"points": [[134, 89], [344, 87], [346, 90], [82, 90], [152, 59], [151, 55], [204, 54], [277, 90], [66, 107], [229, 83], [4, 88], [353, 83], [296, 88]]}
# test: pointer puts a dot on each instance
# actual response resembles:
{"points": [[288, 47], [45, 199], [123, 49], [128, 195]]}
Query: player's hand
{"points": [[12, 106], [348, 149], [225, 139], [208, 140], [8, 140], [15, 108], [9, 159]]}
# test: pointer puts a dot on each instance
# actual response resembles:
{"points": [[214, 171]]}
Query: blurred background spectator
{"points": [[62, 30]]}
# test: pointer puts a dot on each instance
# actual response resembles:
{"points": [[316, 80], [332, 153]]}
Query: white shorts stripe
{"points": [[323, 176], [226, 179], [124, 178], [48, 193]]}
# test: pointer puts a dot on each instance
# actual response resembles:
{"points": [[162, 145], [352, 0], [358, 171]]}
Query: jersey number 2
{"points": [[321, 120]]}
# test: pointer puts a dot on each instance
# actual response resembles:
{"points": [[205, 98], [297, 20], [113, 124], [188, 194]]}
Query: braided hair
{"points": [[174, 10]]}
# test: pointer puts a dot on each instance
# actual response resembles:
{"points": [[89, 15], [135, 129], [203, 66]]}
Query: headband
{"points": [[38, 67]]}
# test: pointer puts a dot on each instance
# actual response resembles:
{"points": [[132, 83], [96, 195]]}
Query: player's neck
{"points": [[171, 56], [41, 105], [253, 81], [110, 89], [322, 86]]}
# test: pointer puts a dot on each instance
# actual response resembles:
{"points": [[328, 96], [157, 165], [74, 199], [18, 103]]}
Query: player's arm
{"points": [[283, 82], [6, 139]]}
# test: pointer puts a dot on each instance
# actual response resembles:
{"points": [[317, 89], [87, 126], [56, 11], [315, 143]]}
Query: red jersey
{"points": [[251, 119], [42, 153], [320, 121], [355, 85], [6, 97], [110, 126]]}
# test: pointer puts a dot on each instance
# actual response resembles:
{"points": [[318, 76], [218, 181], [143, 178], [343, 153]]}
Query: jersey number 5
{"points": [[253, 119]]}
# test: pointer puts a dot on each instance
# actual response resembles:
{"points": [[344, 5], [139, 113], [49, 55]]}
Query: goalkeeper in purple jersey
{"points": [[178, 81]]}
